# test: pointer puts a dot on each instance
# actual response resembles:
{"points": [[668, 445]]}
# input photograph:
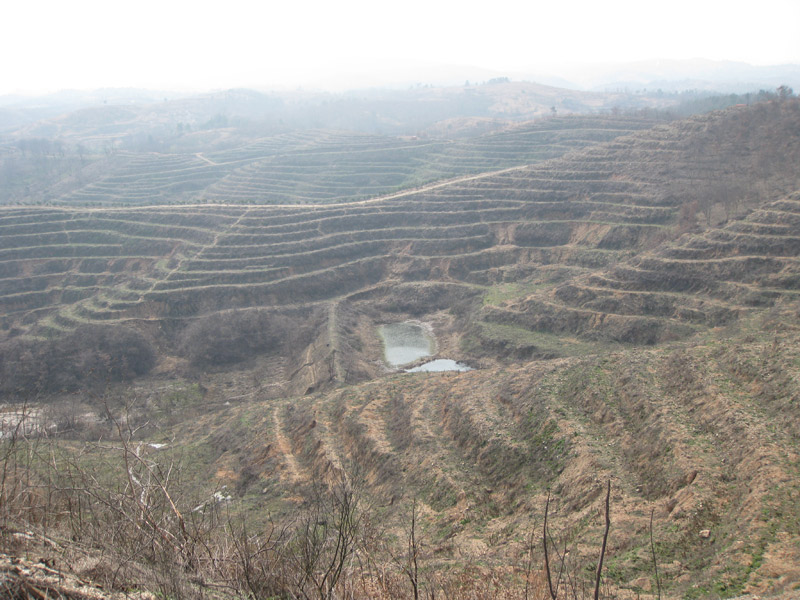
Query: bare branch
{"points": [[603, 547]]}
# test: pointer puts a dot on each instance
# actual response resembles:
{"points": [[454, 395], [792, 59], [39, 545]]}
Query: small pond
{"points": [[404, 343], [440, 364]]}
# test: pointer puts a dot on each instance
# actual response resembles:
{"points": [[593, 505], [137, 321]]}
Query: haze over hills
{"points": [[722, 77], [397, 111], [188, 148], [624, 283]]}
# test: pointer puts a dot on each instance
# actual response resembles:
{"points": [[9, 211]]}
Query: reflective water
{"points": [[441, 364], [405, 342]]}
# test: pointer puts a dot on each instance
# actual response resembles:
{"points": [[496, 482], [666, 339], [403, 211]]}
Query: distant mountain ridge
{"points": [[679, 75]]}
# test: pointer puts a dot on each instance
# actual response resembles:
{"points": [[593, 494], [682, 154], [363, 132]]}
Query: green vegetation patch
{"points": [[519, 342]]}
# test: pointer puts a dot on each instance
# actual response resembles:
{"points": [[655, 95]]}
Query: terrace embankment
{"points": [[644, 239], [320, 166]]}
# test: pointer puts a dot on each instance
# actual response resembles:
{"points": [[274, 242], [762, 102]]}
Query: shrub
{"points": [[89, 355], [232, 337]]}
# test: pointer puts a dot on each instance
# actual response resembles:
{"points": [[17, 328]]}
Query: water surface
{"points": [[405, 342]]}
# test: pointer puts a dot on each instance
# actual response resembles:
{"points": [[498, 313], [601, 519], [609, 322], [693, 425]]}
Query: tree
{"points": [[785, 92]]}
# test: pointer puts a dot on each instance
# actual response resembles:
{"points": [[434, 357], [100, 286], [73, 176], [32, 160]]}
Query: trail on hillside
{"points": [[333, 339], [208, 160], [284, 447], [427, 188], [185, 257]]}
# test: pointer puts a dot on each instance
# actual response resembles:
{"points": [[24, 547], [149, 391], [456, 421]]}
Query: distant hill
{"points": [[722, 77], [298, 167], [75, 117]]}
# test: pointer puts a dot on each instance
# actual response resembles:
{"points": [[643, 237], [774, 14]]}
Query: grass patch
{"points": [[508, 291], [519, 340]]}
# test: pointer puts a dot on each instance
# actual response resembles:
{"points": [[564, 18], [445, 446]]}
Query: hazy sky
{"points": [[50, 45]]}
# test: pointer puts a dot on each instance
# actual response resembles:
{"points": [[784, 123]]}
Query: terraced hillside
{"points": [[596, 237], [322, 166], [631, 308]]}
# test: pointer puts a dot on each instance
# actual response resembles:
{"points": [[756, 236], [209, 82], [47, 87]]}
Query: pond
{"points": [[404, 343]]}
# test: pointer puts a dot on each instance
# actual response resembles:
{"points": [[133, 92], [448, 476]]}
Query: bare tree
{"points": [[325, 539]]}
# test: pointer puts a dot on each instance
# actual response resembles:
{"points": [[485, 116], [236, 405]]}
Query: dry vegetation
{"points": [[631, 307]]}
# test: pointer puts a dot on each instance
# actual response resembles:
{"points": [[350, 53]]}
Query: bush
{"points": [[232, 337], [89, 355]]}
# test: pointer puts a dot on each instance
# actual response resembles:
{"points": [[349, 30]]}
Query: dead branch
{"points": [[603, 547]]}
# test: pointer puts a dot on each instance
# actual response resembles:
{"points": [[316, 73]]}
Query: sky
{"points": [[177, 44]]}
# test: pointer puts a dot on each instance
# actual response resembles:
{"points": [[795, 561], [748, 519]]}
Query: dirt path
{"points": [[426, 188], [284, 447], [331, 447], [333, 339], [184, 257], [208, 160], [370, 416]]}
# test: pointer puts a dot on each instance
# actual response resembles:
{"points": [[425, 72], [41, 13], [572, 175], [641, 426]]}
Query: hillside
{"points": [[298, 167], [626, 291]]}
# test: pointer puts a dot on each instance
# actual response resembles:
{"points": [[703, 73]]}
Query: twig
{"points": [[653, 553], [603, 547], [544, 543]]}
